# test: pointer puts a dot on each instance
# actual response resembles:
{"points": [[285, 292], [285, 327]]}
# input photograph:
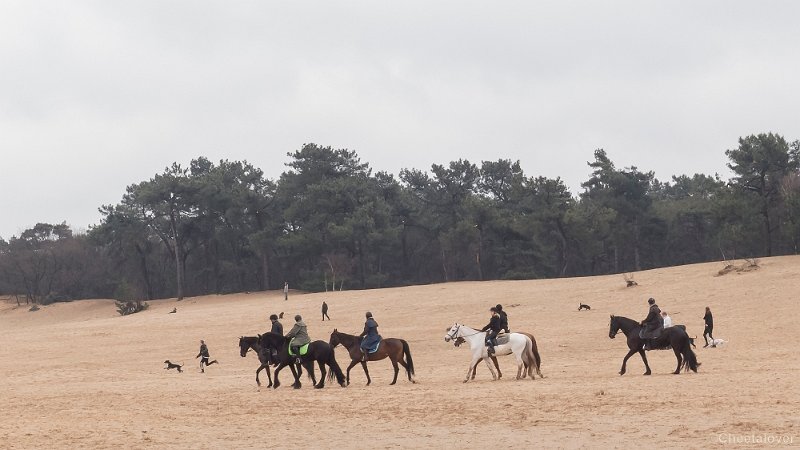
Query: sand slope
{"points": [[78, 375]]}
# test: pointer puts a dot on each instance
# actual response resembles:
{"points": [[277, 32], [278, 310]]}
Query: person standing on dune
{"points": [[325, 311]]}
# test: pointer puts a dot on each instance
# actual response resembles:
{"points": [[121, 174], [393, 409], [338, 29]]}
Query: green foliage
{"points": [[219, 227]]}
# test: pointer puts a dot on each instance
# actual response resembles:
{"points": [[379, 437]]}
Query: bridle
{"points": [[454, 332]]}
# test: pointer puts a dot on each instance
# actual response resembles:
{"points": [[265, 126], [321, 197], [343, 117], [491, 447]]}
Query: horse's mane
{"points": [[272, 337], [626, 320], [351, 337]]}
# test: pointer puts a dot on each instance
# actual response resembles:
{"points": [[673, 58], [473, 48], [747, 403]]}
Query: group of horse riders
{"points": [[298, 335], [497, 323]]}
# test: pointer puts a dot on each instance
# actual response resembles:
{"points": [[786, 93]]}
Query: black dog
{"points": [[586, 307], [280, 316], [173, 366]]}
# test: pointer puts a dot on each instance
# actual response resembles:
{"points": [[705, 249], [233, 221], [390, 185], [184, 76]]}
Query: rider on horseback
{"points": [[370, 335], [277, 328], [299, 336], [653, 325], [503, 318], [492, 329]]}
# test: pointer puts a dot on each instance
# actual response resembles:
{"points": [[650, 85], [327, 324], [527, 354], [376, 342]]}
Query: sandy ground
{"points": [[78, 375]]}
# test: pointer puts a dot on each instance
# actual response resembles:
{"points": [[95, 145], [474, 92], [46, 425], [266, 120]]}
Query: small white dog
{"points": [[716, 342]]}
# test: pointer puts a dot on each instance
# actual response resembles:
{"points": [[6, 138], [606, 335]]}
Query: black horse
{"points": [[247, 343], [672, 337], [318, 351]]}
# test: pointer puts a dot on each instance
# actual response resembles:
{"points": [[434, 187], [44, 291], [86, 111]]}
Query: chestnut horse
{"points": [[394, 349]]}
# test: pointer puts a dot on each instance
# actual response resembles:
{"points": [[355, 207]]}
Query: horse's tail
{"points": [[537, 358], [529, 359], [335, 369], [689, 358], [409, 361]]}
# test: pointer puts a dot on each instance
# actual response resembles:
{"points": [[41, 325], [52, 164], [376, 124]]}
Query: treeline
{"points": [[329, 222]]}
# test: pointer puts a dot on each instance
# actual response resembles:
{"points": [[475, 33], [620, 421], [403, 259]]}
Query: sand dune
{"points": [[78, 375]]}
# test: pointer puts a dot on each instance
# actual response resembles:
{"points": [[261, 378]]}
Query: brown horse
{"points": [[394, 349], [534, 348]]}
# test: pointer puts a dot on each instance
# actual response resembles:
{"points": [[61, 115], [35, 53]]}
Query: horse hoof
{"points": [[466, 381], [316, 386], [647, 373], [342, 385]]}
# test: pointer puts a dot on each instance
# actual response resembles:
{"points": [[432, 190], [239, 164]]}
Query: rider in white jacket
{"points": [[667, 319]]}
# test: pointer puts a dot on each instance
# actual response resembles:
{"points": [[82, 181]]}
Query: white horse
{"points": [[518, 344]]}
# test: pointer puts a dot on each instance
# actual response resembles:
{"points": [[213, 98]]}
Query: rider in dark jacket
{"points": [[653, 324], [492, 329], [370, 335], [709, 328], [503, 318], [277, 328]]}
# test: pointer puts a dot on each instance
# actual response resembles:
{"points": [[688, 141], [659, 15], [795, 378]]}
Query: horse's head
{"points": [[334, 340], [613, 327], [452, 332], [244, 346]]}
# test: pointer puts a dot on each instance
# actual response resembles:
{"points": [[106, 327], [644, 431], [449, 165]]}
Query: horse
{"points": [[672, 337], [247, 343], [394, 349], [534, 348], [518, 344], [318, 351]]}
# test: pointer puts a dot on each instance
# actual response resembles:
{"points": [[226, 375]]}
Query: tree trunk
{"points": [[765, 213], [563, 238], [265, 270]]}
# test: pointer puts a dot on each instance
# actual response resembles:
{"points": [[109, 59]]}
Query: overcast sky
{"points": [[95, 96]]}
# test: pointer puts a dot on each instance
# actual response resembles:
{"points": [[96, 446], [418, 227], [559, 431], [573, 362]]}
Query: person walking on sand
{"points": [[286, 290], [708, 332], [325, 311], [204, 357]]}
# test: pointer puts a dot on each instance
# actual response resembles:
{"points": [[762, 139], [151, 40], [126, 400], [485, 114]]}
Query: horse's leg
{"points": [[278, 369], [474, 369], [352, 364], [366, 372], [520, 365], [309, 365], [625, 360], [297, 384], [499, 373], [396, 370], [269, 375], [644, 358], [323, 373], [258, 370], [680, 360], [469, 370], [488, 360]]}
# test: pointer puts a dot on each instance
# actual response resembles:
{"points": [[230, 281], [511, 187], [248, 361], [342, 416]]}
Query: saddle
{"points": [[375, 347], [303, 349], [502, 338]]}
